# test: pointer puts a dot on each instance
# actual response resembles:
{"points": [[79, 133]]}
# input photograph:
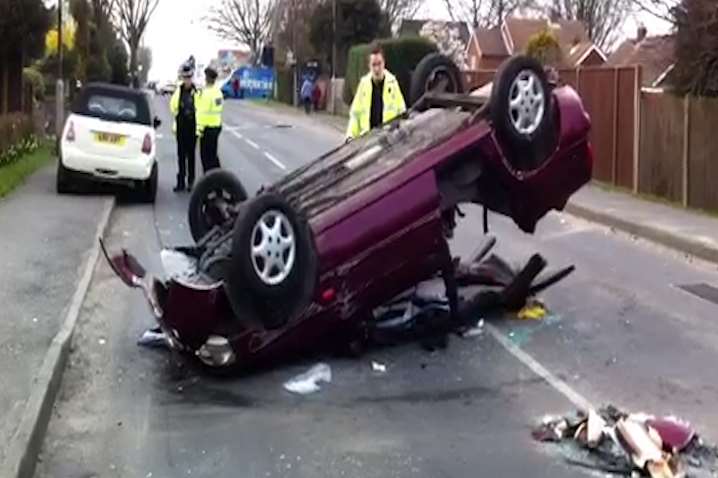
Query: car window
{"points": [[114, 105]]}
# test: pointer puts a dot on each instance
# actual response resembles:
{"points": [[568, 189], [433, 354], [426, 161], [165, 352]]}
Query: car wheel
{"points": [[63, 180], [437, 73], [211, 197], [148, 187], [521, 107], [273, 257]]}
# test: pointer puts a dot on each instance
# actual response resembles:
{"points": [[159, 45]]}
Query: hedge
{"points": [[16, 137], [402, 55], [285, 84]]}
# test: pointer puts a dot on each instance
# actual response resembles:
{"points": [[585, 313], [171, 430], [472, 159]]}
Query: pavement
{"points": [[46, 240], [622, 330]]}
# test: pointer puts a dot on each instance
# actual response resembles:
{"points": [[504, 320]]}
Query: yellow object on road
{"points": [[534, 310]]}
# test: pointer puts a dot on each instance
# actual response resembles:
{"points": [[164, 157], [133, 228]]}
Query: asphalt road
{"points": [[620, 332]]}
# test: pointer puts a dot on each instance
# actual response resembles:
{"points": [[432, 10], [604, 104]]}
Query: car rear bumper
{"points": [[104, 168]]}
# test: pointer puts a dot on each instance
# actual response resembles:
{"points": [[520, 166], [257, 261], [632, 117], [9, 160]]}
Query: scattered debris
{"points": [[153, 338], [533, 310], [309, 381], [611, 441], [474, 331], [378, 367]]}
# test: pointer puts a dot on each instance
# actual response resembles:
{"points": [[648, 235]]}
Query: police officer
{"points": [[183, 110], [378, 99], [209, 104]]}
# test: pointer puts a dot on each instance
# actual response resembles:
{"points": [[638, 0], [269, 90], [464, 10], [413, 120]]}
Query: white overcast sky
{"points": [[176, 31]]}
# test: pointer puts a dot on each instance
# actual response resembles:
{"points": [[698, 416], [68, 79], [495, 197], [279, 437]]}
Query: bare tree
{"points": [[662, 9], [132, 18], [243, 21], [483, 13], [395, 10], [601, 18]]}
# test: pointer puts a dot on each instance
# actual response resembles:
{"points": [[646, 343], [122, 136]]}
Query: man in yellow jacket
{"points": [[378, 98], [184, 126], [210, 104]]}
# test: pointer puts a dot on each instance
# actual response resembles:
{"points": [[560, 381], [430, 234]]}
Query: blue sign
{"points": [[254, 82]]}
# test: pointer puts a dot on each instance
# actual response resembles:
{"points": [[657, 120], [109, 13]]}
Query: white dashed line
{"points": [[276, 162], [559, 385], [267, 155]]}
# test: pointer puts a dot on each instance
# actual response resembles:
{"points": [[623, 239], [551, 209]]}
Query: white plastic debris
{"points": [[153, 338], [378, 367], [102, 341], [309, 381], [474, 331]]}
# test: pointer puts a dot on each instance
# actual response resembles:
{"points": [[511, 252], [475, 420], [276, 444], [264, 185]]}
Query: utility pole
{"points": [[334, 39], [59, 90]]}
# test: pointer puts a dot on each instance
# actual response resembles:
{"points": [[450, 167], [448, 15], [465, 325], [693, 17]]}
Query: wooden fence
{"points": [[679, 149], [612, 98]]}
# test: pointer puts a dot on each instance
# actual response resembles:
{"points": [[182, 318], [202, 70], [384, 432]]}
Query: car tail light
{"points": [[70, 136], [147, 144]]}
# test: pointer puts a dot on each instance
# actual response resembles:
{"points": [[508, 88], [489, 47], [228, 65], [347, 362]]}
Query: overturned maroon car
{"points": [[313, 255]]}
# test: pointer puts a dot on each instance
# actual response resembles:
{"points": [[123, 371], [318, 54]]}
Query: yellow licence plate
{"points": [[110, 138]]}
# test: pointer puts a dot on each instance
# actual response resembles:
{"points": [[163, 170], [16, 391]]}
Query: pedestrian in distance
{"points": [[210, 105], [184, 126], [378, 98], [307, 93]]}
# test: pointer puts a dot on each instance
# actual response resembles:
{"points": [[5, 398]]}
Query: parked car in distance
{"points": [[109, 137], [168, 88]]}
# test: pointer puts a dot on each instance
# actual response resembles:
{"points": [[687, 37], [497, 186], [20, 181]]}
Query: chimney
{"points": [[642, 33]]}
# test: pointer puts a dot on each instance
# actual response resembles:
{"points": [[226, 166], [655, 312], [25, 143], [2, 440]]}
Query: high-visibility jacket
{"points": [[209, 103], [360, 113], [175, 105]]}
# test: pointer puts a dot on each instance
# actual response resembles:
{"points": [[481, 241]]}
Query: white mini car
{"points": [[110, 138]]}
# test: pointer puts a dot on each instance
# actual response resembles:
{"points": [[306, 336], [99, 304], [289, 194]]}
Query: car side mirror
{"points": [[157, 122]]}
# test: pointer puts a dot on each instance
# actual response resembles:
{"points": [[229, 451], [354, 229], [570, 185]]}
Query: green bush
{"points": [[16, 137], [34, 77], [544, 47], [402, 56]]}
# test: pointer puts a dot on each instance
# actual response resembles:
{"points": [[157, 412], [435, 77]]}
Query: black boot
{"points": [[180, 185]]}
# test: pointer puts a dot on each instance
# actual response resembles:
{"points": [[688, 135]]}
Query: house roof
{"points": [[655, 54], [491, 42], [568, 32], [578, 53], [410, 27], [522, 29]]}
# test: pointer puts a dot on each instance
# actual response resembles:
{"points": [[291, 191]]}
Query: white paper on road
{"points": [[309, 381]]}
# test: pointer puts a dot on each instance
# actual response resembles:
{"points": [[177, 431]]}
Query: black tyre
{"points": [[435, 72], [273, 259], [63, 180], [212, 198], [148, 188], [521, 108]]}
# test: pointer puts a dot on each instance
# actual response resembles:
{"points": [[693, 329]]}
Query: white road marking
{"points": [[267, 155], [276, 162], [578, 400]]}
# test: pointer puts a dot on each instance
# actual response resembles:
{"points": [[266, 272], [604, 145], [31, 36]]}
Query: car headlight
{"points": [[216, 352]]}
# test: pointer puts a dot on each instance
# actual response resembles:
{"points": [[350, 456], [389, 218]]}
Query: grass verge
{"points": [[13, 175]]}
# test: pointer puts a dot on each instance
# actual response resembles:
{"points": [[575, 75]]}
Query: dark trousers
{"points": [[208, 145], [186, 146]]}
